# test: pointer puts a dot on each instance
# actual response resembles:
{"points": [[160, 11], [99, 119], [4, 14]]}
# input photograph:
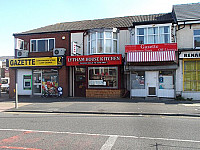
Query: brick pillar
{"points": [[12, 74], [64, 80]]}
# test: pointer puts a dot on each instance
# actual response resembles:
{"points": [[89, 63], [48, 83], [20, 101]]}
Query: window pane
{"points": [[114, 35], [93, 36], [100, 46], [114, 46], [189, 65], [164, 30], [140, 31], [196, 32], [190, 76], [51, 44], [108, 34], [100, 35], [152, 39], [197, 42], [140, 40], [93, 47], [138, 80], [108, 46], [153, 30], [102, 77], [198, 66], [42, 45], [33, 45]]}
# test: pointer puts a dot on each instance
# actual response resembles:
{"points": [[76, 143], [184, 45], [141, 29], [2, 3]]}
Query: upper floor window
{"points": [[42, 45], [197, 38], [19, 44], [102, 42], [152, 35]]}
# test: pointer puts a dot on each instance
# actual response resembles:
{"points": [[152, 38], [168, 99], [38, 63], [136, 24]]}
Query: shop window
{"points": [[197, 38], [103, 77], [166, 80], [153, 35], [50, 81], [102, 42], [42, 45], [191, 75], [138, 80]]}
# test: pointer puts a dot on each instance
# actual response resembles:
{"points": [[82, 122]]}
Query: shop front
{"points": [[96, 75], [36, 76], [152, 69], [191, 74]]}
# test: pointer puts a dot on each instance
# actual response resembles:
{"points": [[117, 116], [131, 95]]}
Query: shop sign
{"points": [[151, 47], [94, 60], [193, 54], [32, 62], [97, 82]]}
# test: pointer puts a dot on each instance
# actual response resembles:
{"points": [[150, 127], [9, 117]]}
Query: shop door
{"points": [[37, 82], [80, 82], [151, 82]]}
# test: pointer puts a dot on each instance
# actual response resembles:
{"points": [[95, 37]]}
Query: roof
{"points": [[187, 12], [118, 22]]}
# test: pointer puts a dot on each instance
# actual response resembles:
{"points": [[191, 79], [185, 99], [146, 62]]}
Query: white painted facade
{"points": [[20, 81], [185, 41]]}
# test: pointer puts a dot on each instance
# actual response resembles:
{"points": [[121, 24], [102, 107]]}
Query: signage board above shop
{"points": [[192, 54], [151, 47], [115, 59], [35, 62]]}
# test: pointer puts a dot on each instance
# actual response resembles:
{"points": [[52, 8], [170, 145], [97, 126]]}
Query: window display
{"points": [[103, 77], [191, 75], [50, 81], [138, 80], [166, 80]]}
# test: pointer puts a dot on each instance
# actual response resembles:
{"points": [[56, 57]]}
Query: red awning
{"points": [[151, 56]]}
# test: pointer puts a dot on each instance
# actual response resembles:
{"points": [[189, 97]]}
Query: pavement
{"points": [[122, 106]]}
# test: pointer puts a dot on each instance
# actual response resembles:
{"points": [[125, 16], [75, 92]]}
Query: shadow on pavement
{"points": [[39, 99]]}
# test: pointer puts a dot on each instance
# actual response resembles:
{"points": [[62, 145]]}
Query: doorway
{"points": [[37, 82], [151, 82], [80, 82]]}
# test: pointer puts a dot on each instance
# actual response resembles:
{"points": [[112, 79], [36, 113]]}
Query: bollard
{"points": [[16, 100]]}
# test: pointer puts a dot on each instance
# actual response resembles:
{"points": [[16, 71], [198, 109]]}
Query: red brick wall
{"points": [[59, 42], [12, 73], [104, 93], [64, 80]]}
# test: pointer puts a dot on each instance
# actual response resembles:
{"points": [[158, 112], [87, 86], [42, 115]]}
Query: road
{"points": [[98, 132]]}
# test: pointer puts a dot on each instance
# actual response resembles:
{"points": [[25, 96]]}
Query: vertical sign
{"points": [[73, 48]]}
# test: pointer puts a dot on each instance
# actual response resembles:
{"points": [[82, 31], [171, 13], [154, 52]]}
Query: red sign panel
{"points": [[94, 60], [151, 47]]}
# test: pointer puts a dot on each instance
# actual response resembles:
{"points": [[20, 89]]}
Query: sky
{"points": [[22, 15]]}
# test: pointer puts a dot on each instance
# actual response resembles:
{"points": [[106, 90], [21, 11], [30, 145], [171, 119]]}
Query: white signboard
{"points": [[192, 54], [97, 82]]}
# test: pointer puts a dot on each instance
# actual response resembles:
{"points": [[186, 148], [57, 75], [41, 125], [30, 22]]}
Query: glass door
{"points": [[37, 82]]}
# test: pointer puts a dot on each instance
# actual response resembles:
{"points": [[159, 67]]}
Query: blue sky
{"points": [[22, 15]]}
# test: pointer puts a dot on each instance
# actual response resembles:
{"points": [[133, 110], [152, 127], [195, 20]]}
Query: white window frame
{"points": [[153, 25], [17, 42], [96, 31], [37, 43], [194, 37]]}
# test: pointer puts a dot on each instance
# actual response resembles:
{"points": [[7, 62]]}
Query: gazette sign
{"points": [[32, 62], [151, 47]]}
